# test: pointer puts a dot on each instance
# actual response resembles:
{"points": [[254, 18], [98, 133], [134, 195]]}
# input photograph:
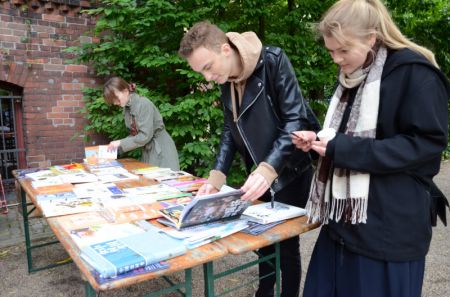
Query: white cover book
{"points": [[115, 177], [96, 190], [76, 178], [84, 236], [108, 170], [53, 208], [263, 213]]}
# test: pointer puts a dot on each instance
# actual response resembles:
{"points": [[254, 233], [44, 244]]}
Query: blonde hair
{"points": [[361, 18], [202, 34]]}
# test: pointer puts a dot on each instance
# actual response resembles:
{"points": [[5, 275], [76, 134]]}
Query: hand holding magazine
{"points": [[226, 204]]}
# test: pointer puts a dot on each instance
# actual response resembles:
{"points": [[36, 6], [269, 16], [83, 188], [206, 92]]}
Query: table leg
{"points": [[26, 229], [277, 270], [28, 246], [188, 282], [89, 290], [208, 274]]}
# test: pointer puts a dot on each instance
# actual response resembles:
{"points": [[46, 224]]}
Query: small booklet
{"points": [[263, 213], [256, 228], [226, 204], [137, 271], [99, 152]]}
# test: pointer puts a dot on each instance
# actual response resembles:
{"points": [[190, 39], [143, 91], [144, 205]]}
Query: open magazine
{"points": [[226, 204]]}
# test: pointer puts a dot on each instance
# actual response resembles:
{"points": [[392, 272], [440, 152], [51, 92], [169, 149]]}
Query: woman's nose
{"points": [[337, 59]]}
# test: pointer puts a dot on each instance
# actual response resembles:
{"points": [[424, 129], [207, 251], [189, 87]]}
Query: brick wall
{"points": [[33, 35]]}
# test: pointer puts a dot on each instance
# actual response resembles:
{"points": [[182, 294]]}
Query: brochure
{"points": [[263, 213]]}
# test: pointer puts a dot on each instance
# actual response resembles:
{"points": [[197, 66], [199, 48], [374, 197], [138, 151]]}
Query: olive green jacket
{"points": [[146, 127]]}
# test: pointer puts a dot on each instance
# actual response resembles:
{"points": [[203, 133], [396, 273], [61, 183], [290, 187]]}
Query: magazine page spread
{"points": [[226, 204]]}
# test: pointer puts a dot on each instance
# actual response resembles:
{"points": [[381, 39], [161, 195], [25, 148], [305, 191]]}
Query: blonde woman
{"points": [[145, 124], [372, 186]]}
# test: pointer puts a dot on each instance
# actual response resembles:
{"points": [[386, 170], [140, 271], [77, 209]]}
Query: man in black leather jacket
{"points": [[262, 104]]}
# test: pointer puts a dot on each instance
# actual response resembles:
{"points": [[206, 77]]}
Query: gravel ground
{"points": [[66, 280]]}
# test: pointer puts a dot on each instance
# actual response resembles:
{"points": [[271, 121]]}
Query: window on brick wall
{"points": [[12, 153]]}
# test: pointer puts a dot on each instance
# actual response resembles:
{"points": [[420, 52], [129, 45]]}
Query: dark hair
{"points": [[115, 83], [202, 34]]}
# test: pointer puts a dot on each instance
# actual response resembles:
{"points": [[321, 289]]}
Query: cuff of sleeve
{"points": [[329, 151], [217, 179], [267, 171]]}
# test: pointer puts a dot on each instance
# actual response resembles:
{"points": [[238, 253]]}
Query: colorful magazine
{"points": [[129, 211], [226, 204]]}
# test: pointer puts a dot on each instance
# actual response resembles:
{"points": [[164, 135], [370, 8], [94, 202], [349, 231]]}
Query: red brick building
{"points": [[40, 89]]}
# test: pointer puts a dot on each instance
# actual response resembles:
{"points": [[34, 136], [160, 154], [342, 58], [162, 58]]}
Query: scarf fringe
{"points": [[350, 210]]}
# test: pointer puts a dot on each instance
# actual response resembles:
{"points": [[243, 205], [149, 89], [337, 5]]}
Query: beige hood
{"points": [[249, 49]]}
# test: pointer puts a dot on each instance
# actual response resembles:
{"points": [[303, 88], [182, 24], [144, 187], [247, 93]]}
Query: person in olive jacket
{"points": [[145, 124], [262, 104], [374, 178]]}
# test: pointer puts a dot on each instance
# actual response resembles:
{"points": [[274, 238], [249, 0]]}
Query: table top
{"points": [[234, 244], [241, 242]]}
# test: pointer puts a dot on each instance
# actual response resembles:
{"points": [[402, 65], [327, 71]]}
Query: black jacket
{"points": [[412, 131], [271, 108]]}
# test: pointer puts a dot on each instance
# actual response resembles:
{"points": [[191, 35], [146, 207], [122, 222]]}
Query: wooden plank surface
{"points": [[240, 242]]}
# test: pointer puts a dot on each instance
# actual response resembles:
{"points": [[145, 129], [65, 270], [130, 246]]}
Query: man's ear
{"points": [[226, 49]]}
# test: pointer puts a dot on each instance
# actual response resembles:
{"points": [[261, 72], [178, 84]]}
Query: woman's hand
{"points": [[303, 139], [320, 147], [206, 189], [255, 186], [113, 145]]}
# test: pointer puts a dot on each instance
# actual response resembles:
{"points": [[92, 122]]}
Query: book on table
{"points": [[226, 204], [199, 235], [97, 153], [61, 207], [137, 271], [131, 210], [117, 256], [263, 213]]}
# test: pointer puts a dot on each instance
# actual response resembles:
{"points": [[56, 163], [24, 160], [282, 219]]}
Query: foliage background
{"points": [[139, 39]]}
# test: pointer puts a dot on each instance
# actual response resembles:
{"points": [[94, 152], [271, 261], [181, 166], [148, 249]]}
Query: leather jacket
{"points": [[272, 107]]}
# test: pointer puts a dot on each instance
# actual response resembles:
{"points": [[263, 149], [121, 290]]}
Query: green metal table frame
{"points": [[186, 285], [210, 276], [29, 247]]}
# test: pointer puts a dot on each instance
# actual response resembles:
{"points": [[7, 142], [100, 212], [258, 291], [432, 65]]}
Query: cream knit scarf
{"points": [[350, 189]]}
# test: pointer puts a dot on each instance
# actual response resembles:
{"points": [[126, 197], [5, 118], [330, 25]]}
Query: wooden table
{"points": [[205, 255], [240, 243]]}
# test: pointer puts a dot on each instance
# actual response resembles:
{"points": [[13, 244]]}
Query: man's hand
{"points": [[206, 189], [255, 186]]}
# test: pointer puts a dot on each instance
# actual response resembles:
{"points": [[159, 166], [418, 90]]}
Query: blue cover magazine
{"points": [[114, 257]]}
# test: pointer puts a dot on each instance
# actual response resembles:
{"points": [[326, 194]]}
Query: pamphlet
{"points": [[263, 213]]}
